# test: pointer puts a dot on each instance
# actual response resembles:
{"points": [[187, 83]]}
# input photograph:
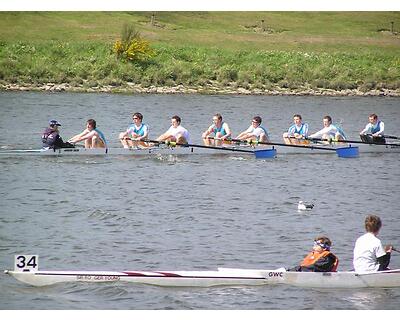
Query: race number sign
{"points": [[26, 263]]}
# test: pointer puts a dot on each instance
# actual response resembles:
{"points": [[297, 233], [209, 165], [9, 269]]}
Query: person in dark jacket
{"points": [[51, 138]]}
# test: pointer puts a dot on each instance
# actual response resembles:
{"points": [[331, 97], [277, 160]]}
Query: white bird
{"points": [[304, 206]]}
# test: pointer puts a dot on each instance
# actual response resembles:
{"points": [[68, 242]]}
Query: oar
{"points": [[386, 136], [352, 141], [391, 137], [173, 144], [342, 152]]}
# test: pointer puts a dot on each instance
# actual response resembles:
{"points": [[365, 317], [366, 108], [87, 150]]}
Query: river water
{"points": [[190, 212]]}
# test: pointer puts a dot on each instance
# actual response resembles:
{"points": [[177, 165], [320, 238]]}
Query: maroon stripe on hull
{"points": [[169, 274]]}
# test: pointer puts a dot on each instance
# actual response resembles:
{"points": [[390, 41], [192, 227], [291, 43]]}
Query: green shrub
{"points": [[132, 46]]}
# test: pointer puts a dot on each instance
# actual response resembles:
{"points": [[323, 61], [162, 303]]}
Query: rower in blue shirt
{"points": [[297, 131], [373, 131], [135, 134], [92, 136], [219, 129]]}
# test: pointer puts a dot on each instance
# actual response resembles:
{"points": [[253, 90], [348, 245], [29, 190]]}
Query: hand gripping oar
{"points": [[342, 152], [174, 144], [352, 141]]}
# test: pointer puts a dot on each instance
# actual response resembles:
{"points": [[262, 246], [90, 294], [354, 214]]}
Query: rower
{"points": [[92, 136], [373, 131], [329, 132], [369, 254], [255, 131], [298, 130], [320, 259], [175, 133], [136, 133], [220, 130], [51, 138]]}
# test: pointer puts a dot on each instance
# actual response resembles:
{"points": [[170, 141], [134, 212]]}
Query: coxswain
{"points": [[373, 131], [51, 138]]}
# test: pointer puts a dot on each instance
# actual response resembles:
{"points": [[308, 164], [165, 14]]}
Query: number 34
{"points": [[26, 262]]}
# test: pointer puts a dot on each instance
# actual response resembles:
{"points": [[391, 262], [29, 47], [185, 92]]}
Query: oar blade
{"points": [[265, 153], [347, 152]]}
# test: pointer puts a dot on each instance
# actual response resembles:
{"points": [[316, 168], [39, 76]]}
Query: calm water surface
{"points": [[190, 212]]}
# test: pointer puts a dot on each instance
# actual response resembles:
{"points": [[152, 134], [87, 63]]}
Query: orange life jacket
{"points": [[313, 257]]}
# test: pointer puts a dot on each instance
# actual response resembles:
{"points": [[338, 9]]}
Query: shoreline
{"points": [[131, 88]]}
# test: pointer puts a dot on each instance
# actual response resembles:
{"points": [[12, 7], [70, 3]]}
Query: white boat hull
{"points": [[159, 278], [344, 280], [231, 150], [222, 277]]}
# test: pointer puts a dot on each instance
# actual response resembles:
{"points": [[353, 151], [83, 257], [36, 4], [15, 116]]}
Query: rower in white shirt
{"points": [[329, 131], [369, 254], [255, 131], [176, 133], [374, 130]]}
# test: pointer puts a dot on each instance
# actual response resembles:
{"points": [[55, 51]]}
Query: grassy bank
{"points": [[288, 50], [94, 64]]}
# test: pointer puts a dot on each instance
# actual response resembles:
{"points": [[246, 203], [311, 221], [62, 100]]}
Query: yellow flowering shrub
{"points": [[132, 46]]}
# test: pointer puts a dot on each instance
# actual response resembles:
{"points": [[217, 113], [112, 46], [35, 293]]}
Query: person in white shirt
{"points": [[176, 133], [255, 131], [373, 131], [329, 131], [369, 255]]}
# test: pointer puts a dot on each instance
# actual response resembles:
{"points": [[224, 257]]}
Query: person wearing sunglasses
{"points": [[255, 131], [135, 134], [320, 259]]}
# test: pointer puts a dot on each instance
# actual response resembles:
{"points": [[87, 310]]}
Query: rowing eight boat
{"points": [[221, 277], [258, 152]]}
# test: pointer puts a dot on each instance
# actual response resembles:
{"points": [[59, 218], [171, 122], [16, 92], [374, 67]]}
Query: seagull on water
{"points": [[304, 206]]}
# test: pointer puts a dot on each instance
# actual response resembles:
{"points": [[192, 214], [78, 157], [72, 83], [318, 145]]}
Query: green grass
{"points": [[335, 50], [339, 31]]}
